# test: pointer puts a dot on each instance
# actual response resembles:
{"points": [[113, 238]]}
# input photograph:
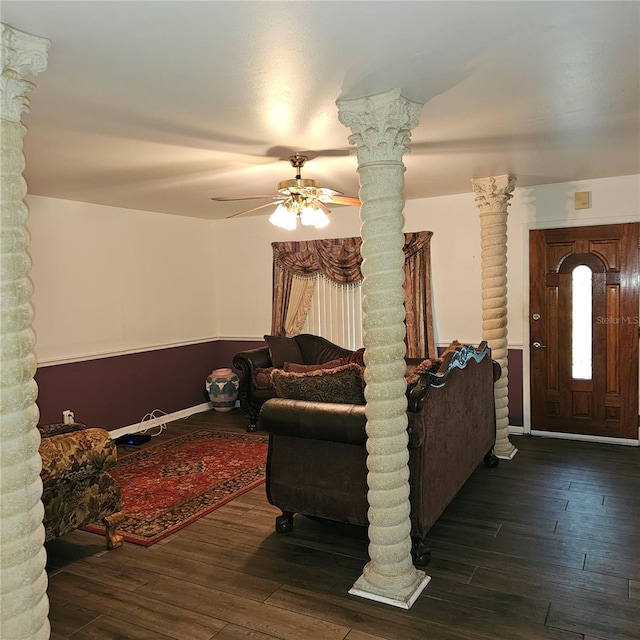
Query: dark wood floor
{"points": [[546, 546]]}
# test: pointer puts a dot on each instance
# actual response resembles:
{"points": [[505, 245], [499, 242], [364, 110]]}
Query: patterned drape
{"points": [[339, 259]]}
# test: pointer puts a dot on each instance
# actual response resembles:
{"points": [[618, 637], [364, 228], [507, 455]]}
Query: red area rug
{"points": [[170, 485]]}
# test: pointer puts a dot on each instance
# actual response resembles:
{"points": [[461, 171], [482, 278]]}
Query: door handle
{"points": [[537, 345]]}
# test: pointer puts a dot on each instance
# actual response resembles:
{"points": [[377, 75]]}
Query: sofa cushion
{"points": [[344, 384], [316, 349], [283, 350], [305, 368], [262, 378]]}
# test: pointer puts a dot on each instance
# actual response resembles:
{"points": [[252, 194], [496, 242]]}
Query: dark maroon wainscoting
{"points": [[119, 391], [516, 408]]}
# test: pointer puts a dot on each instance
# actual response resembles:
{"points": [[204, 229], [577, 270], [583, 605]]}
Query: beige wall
{"points": [[109, 280], [245, 300]]}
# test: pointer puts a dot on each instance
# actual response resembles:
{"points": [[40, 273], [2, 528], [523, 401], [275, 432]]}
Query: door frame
{"points": [[526, 337]]}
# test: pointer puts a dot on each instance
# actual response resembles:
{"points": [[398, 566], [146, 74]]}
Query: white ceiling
{"points": [[161, 105]]}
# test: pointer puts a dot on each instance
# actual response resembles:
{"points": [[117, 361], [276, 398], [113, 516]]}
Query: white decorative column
{"points": [[492, 198], [23, 581], [380, 126]]}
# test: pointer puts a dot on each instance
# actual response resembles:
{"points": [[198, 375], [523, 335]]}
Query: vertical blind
{"points": [[336, 313]]}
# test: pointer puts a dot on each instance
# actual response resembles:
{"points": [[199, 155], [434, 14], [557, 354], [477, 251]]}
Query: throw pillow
{"points": [[427, 364], [452, 347], [283, 350], [357, 357], [342, 385], [262, 378], [305, 368]]}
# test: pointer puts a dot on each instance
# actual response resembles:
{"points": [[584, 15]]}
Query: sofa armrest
{"points": [[77, 455], [252, 359], [314, 420], [326, 421]]}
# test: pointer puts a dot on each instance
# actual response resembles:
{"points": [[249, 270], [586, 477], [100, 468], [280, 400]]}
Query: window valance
{"points": [[338, 259]]}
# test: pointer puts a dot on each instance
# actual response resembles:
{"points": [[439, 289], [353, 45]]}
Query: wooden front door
{"points": [[584, 330]]}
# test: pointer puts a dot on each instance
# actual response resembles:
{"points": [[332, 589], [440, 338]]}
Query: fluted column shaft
{"points": [[492, 198], [23, 581], [380, 126]]}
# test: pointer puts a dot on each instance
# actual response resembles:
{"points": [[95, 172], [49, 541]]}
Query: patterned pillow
{"points": [[342, 385], [283, 350], [305, 368], [262, 378]]}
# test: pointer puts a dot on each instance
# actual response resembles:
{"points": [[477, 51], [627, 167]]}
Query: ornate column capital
{"points": [[493, 193], [381, 125], [22, 54]]}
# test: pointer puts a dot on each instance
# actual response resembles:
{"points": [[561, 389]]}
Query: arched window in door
{"points": [[582, 322]]}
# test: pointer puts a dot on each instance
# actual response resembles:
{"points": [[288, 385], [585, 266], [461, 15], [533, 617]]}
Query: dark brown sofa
{"points": [[317, 457], [310, 350]]}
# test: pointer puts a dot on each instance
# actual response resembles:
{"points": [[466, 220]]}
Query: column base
{"points": [[506, 452], [403, 599]]}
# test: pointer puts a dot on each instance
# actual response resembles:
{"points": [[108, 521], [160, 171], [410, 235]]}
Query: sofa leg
{"points": [[114, 539], [252, 417], [420, 553], [284, 523], [491, 460]]}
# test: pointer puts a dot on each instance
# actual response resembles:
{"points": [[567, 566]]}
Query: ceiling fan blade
{"points": [[346, 200], [262, 206], [323, 206], [325, 191], [284, 153], [228, 198]]}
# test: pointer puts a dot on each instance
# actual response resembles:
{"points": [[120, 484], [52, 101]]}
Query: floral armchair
{"points": [[77, 488]]}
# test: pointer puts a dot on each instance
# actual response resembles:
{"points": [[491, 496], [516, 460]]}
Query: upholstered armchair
{"points": [[76, 486]]}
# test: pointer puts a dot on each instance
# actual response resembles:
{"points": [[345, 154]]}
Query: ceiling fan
{"points": [[300, 198]]}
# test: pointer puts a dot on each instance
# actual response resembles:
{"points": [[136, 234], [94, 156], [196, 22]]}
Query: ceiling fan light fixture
{"points": [[298, 198], [284, 217], [308, 215], [314, 216]]}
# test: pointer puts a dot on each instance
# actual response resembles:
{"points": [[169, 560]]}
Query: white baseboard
{"points": [[156, 422], [583, 438]]}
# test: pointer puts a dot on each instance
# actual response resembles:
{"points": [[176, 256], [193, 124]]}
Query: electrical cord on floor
{"points": [[132, 441], [156, 415]]}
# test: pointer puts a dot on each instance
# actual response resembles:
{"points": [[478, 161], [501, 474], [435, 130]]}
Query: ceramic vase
{"points": [[222, 386]]}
